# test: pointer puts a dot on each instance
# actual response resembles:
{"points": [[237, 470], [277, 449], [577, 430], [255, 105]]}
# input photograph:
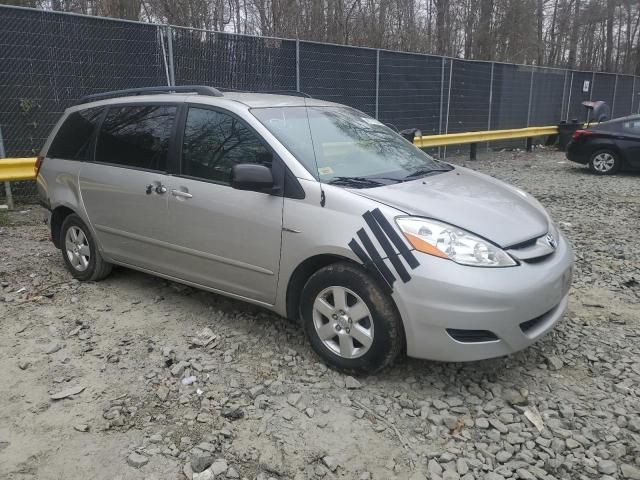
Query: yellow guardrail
{"points": [[482, 136], [12, 169]]}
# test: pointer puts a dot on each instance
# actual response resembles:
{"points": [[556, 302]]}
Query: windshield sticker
{"points": [[387, 238], [325, 170]]}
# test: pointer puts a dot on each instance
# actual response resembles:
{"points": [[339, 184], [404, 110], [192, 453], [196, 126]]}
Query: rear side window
{"points": [[214, 142], [74, 136], [136, 136]]}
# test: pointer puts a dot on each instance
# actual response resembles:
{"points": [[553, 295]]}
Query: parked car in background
{"points": [[311, 209], [609, 146]]}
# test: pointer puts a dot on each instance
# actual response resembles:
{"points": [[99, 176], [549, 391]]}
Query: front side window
{"points": [[136, 136], [74, 136], [214, 142], [340, 145]]}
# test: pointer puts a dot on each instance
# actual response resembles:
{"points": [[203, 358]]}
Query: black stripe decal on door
{"points": [[387, 238], [368, 263], [376, 258], [386, 246], [395, 238]]}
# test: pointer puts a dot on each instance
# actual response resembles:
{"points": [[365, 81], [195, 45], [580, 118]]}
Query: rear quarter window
{"points": [[75, 136], [136, 136]]}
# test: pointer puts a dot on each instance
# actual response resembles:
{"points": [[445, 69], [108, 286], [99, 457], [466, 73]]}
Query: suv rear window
{"points": [[74, 136], [136, 136]]}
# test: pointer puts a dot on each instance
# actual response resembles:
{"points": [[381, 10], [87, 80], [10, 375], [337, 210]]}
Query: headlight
{"points": [[446, 241]]}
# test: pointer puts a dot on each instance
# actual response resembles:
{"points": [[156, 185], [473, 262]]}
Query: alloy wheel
{"points": [[603, 162], [343, 322], [77, 248]]}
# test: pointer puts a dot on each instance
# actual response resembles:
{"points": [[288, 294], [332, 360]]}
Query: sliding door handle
{"points": [[181, 194]]}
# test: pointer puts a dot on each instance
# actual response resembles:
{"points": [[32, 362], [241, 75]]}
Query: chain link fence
{"points": [[48, 60]]}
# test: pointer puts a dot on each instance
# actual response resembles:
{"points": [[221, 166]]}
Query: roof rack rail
{"points": [[199, 89], [293, 93]]}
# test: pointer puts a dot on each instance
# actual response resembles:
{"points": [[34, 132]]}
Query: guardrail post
{"points": [[7, 185], [473, 151], [529, 144]]}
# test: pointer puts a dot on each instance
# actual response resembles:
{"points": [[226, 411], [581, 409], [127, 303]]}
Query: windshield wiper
{"points": [[427, 172], [357, 182]]}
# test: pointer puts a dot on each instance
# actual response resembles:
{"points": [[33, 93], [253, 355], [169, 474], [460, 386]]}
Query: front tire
{"points": [[79, 251], [604, 162], [351, 323]]}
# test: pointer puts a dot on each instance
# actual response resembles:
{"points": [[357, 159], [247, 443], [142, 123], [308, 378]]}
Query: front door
{"points": [[124, 187], [223, 238]]}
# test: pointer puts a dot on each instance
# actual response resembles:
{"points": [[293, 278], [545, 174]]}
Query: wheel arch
{"points": [[58, 215], [611, 147], [301, 274]]}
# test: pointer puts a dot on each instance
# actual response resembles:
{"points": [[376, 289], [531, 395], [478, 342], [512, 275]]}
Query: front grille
{"points": [[472, 336]]}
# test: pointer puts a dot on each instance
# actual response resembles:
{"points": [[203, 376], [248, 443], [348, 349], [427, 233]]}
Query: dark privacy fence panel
{"points": [[510, 97], [604, 85], [48, 60], [469, 97], [579, 92], [410, 91], [624, 95], [339, 74], [233, 61], [547, 106]]}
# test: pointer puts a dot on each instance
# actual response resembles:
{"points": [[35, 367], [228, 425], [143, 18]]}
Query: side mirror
{"points": [[250, 176], [410, 133]]}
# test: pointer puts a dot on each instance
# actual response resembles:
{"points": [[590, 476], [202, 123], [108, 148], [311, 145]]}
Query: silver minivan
{"points": [[311, 209]]}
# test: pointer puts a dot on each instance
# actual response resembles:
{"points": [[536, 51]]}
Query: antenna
{"points": [[323, 198]]}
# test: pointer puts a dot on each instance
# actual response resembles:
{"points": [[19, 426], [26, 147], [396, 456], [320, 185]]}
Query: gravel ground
{"points": [[136, 377]]}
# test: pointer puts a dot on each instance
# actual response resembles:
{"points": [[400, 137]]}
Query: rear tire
{"points": [[79, 251], [351, 323], [604, 162]]}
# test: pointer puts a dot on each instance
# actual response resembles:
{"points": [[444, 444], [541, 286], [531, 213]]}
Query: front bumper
{"points": [[443, 295]]}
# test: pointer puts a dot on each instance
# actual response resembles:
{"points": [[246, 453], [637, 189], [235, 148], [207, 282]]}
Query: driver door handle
{"points": [[180, 193]]}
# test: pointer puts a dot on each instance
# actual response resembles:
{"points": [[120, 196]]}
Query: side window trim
{"points": [[109, 107], [279, 180]]}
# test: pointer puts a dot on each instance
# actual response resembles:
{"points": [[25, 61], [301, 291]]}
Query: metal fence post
{"points": [[7, 185], [530, 97], [377, 81], [564, 92], [172, 75], [441, 101], [297, 65], [446, 128], [493, 64], [569, 100], [613, 101]]}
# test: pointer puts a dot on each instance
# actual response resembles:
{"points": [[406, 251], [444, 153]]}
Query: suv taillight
{"points": [[38, 164], [581, 133]]}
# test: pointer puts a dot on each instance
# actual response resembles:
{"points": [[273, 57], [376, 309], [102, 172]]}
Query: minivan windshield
{"points": [[343, 146]]}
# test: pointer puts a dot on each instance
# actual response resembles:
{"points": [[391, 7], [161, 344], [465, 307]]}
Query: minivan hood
{"points": [[469, 200]]}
